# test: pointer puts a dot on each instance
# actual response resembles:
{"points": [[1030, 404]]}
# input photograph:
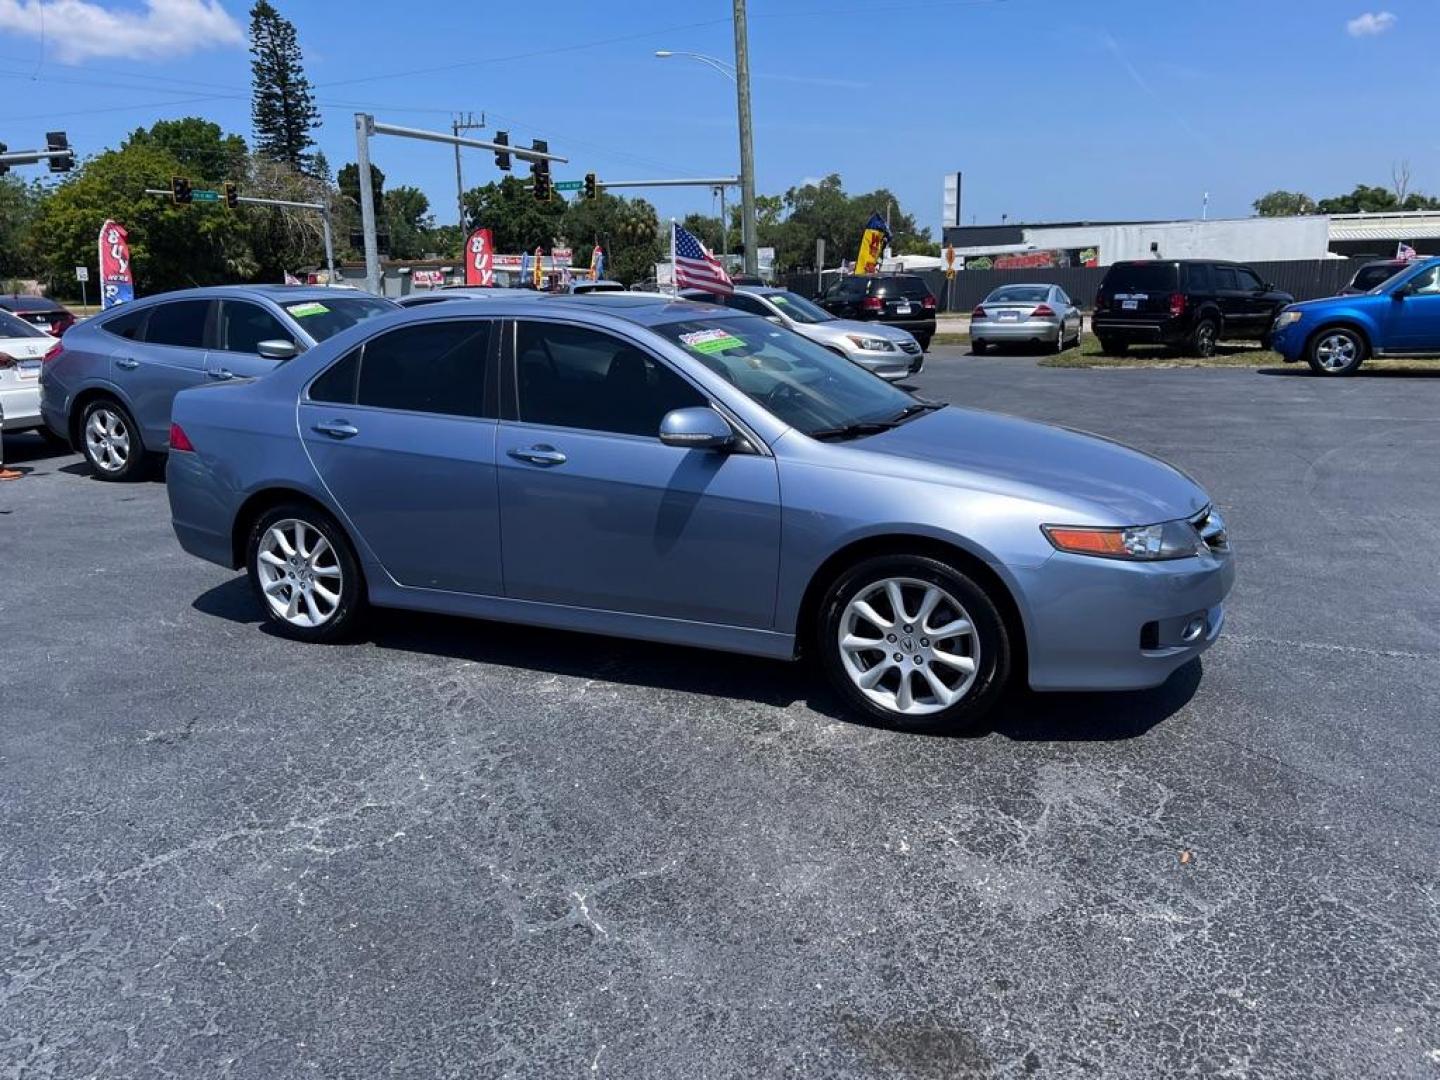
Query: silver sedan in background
{"points": [[1025, 315]]}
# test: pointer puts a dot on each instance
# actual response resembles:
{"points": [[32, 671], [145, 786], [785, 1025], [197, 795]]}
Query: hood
{"points": [[1091, 474], [838, 327], [1344, 299]]}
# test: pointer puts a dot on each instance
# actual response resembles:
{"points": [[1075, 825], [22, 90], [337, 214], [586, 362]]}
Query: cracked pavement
{"points": [[457, 850]]}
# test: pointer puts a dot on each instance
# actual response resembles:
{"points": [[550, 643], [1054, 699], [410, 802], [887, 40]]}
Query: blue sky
{"points": [[1053, 109]]}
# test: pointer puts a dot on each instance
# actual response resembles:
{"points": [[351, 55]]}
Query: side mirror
{"points": [[698, 428], [277, 349], [776, 319], [1400, 292]]}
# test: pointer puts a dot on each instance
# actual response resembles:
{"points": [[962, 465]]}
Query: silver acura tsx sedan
{"points": [[686, 473]]}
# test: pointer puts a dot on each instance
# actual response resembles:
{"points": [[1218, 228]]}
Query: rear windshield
{"points": [[1140, 277], [1371, 276], [325, 318], [911, 288], [850, 288], [1018, 294], [12, 327]]}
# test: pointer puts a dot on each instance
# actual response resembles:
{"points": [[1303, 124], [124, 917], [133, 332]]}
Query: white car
{"points": [[23, 349]]}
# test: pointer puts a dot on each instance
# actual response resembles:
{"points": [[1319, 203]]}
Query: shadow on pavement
{"points": [[1303, 370], [22, 448], [1022, 715]]}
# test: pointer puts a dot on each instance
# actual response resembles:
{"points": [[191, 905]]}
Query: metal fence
{"points": [[1305, 280]]}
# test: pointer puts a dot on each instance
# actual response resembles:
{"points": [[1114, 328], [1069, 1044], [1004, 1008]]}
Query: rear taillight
{"points": [[54, 353], [1177, 303], [1043, 311], [928, 303], [872, 303], [1100, 301], [179, 441], [6, 361], [978, 313]]}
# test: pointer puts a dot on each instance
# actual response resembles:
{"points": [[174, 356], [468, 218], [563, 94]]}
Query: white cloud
{"points": [[78, 30], [1371, 23]]}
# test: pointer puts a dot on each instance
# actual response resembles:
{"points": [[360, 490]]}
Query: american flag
{"points": [[696, 268]]}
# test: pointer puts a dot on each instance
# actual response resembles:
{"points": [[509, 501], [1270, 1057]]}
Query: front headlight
{"points": [[1144, 543], [870, 344], [1288, 318]]}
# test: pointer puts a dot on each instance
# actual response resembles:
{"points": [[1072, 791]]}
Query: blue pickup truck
{"points": [[1399, 317]]}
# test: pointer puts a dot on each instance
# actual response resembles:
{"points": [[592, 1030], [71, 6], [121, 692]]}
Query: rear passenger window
{"points": [[1225, 278], [573, 377], [439, 367], [181, 323], [128, 325], [1201, 278]]}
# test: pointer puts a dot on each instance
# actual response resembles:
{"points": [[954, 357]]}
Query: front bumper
{"points": [[20, 406], [1000, 332], [1289, 342], [1107, 624], [891, 366]]}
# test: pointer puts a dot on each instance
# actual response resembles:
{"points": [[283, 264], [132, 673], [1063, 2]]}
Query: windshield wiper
{"points": [[915, 410], [853, 431]]}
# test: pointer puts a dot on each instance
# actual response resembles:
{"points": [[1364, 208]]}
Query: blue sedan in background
{"points": [[108, 390], [1400, 317], [685, 473]]}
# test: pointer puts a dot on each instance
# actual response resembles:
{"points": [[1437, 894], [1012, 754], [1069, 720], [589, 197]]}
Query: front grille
{"points": [[911, 347], [1211, 527]]}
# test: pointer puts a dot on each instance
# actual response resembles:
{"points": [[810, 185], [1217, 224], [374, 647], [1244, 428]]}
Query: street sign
{"points": [[82, 273], [201, 195], [568, 185]]}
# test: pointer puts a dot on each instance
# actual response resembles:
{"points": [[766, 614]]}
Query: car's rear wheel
{"points": [[304, 573], [1336, 351], [914, 644], [978, 347], [1113, 346], [1203, 338], [110, 441]]}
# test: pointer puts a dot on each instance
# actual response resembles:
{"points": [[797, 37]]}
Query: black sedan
{"points": [[43, 314]]}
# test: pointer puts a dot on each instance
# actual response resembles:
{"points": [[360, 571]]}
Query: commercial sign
{"points": [[480, 259], [117, 283], [429, 279]]}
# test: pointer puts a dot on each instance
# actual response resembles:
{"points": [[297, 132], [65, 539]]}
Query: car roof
{"points": [[643, 310], [16, 302], [280, 294]]}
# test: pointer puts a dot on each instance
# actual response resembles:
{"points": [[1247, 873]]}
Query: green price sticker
{"points": [[312, 308], [712, 341]]}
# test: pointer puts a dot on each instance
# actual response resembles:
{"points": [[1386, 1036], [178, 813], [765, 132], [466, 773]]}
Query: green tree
{"points": [[19, 205], [707, 228], [204, 152], [407, 210], [171, 246], [282, 107], [285, 238], [628, 230], [1363, 200], [516, 220], [1284, 204]]}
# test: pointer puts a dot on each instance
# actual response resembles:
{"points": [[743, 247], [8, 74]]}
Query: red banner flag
{"points": [[480, 259]]}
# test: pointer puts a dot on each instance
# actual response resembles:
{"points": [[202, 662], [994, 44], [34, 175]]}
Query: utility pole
{"points": [[747, 140], [364, 128], [456, 126]]}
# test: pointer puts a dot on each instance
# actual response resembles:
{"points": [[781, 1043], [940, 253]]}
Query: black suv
{"points": [[901, 300], [1187, 305]]}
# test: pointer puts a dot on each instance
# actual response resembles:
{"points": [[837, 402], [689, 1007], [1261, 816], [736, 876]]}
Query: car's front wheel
{"points": [[1113, 346], [304, 573], [1337, 350], [914, 644], [111, 441]]}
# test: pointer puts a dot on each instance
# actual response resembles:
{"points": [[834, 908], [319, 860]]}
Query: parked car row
{"points": [[698, 473]]}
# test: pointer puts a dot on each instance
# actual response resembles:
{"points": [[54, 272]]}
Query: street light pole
{"points": [[747, 140]]}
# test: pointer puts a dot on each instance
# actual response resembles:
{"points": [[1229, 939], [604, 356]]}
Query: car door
{"points": [[240, 326], [596, 512], [1069, 312], [169, 359], [1254, 298], [1231, 301], [1414, 322], [401, 431]]}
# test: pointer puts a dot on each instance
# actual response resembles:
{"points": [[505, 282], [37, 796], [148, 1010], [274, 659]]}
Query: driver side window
{"points": [[1426, 283]]}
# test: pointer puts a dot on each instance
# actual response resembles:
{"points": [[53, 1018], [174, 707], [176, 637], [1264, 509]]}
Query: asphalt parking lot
{"points": [[463, 849]]}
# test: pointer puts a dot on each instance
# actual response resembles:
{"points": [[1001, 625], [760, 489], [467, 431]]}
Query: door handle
{"points": [[220, 373], [127, 363], [538, 455], [337, 429]]}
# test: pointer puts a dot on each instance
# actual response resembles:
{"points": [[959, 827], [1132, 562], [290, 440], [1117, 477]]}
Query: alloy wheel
{"points": [[909, 646], [107, 439], [1335, 352], [299, 573], [1205, 339]]}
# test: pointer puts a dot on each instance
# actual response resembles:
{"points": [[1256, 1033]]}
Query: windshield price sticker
{"points": [[712, 341], [302, 310]]}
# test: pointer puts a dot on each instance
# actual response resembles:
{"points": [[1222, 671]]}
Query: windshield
{"points": [[803, 384], [11, 327], [1019, 294], [800, 309], [1372, 277], [325, 318]]}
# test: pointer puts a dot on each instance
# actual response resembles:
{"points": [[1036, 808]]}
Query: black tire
{"points": [[1202, 339], [989, 637], [1325, 341], [979, 347], [103, 452], [1113, 346], [339, 623]]}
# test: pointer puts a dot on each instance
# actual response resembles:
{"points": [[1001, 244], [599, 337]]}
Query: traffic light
{"points": [[56, 140], [540, 171], [180, 192], [590, 187], [232, 196], [502, 157]]}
